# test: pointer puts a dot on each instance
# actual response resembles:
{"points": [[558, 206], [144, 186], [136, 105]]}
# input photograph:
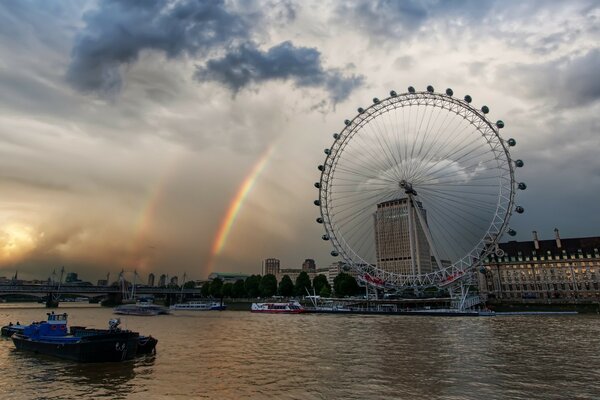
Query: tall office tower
{"points": [[271, 266], [151, 279], [309, 265], [162, 281], [392, 238]]}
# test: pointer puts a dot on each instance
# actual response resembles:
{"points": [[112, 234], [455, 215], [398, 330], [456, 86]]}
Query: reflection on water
{"points": [[232, 355]]}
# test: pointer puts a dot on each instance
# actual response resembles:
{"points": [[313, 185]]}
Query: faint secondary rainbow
{"points": [[143, 226], [236, 205]]}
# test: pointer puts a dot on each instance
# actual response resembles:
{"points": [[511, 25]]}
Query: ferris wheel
{"points": [[417, 189]]}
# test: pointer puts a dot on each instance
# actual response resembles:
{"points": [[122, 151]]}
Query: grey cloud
{"points": [[571, 81], [118, 31], [401, 19], [247, 65]]}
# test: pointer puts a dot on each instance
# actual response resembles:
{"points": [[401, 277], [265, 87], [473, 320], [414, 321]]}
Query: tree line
{"points": [[267, 286]]}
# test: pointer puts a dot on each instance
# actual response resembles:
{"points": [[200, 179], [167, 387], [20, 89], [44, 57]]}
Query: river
{"points": [[240, 355]]}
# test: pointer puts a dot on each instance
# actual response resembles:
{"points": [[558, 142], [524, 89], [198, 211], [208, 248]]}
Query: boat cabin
{"points": [[56, 325]]}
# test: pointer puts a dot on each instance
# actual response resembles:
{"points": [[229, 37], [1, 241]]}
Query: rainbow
{"points": [[236, 205], [147, 215]]}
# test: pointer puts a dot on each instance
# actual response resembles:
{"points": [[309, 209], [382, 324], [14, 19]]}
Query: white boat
{"points": [[291, 307], [140, 308], [199, 306]]}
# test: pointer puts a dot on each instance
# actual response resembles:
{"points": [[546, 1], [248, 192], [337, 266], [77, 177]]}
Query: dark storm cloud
{"points": [[571, 81], [118, 31], [248, 65]]}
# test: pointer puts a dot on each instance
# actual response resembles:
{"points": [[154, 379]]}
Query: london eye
{"points": [[417, 189]]}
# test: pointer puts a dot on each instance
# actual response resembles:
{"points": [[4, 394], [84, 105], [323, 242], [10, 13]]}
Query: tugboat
{"points": [[52, 338], [146, 344]]}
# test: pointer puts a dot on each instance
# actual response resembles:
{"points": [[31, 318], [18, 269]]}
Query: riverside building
{"points": [[544, 271], [271, 266], [393, 221]]}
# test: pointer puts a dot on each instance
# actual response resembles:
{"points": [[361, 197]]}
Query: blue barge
{"points": [[52, 338]]}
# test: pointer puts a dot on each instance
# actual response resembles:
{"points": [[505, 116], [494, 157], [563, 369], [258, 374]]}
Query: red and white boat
{"points": [[291, 307]]}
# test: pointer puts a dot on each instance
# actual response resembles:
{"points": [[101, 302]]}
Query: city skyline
{"points": [[126, 142]]}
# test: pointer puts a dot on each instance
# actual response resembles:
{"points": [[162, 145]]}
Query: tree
{"points": [[268, 285], [325, 291], [205, 290], [319, 282], [227, 289], [238, 290], [286, 286], [251, 285], [189, 285], [302, 284], [345, 285], [215, 287]]}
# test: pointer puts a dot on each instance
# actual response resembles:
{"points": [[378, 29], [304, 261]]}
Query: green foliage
{"points": [[325, 291], [205, 290], [302, 284], [215, 287], [319, 282], [227, 289], [286, 286], [345, 285], [252, 285], [239, 289], [189, 285], [268, 285]]}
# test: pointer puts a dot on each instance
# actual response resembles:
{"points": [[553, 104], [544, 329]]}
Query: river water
{"points": [[240, 355]]}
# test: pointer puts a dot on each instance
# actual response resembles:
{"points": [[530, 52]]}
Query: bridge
{"points": [[91, 291]]}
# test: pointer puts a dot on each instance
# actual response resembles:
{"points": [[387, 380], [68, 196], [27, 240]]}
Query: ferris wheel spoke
{"points": [[367, 156], [377, 149], [460, 208], [350, 207], [443, 126], [426, 134], [439, 166], [456, 145], [466, 224], [376, 174], [435, 180], [357, 180], [443, 239], [385, 142], [459, 198], [354, 163], [346, 205], [450, 247], [423, 159], [472, 204]]}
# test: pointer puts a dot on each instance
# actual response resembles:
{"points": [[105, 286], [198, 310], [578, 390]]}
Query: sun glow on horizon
{"points": [[16, 240]]}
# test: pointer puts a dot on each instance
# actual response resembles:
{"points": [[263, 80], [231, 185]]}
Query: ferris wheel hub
{"points": [[408, 189]]}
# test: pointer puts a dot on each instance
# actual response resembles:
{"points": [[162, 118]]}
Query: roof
{"points": [[587, 246]]}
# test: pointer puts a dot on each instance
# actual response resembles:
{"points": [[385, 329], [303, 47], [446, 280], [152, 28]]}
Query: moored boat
{"points": [[52, 338], [11, 329], [199, 306], [144, 309], [291, 307]]}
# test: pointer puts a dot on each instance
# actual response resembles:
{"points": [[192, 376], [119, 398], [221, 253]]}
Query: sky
{"points": [[184, 136]]}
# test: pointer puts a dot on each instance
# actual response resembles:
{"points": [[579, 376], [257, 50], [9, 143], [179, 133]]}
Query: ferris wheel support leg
{"points": [[425, 230], [411, 237], [459, 292]]}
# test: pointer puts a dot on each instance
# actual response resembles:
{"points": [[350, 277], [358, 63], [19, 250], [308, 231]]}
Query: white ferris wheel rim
{"points": [[504, 202]]}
